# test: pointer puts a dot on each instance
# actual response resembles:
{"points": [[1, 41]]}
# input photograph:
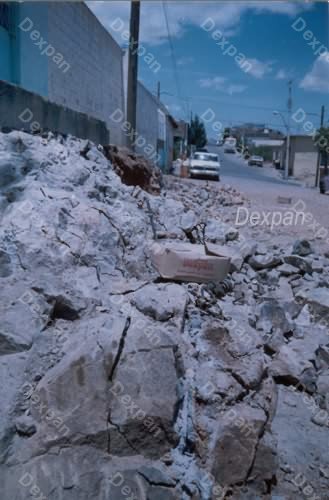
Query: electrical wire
{"points": [[174, 62]]}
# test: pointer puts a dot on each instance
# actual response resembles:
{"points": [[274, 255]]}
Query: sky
{"points": [[266, 43]]}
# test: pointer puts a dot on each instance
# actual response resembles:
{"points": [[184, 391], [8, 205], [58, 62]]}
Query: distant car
{"points": [[256, 160], [204, 165], [230, 145]]}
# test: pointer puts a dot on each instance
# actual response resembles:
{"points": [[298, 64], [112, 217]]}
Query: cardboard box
{"points": [[187, 262]]}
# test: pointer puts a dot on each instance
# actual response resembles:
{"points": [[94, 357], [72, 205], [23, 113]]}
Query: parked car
{"points": [[256, 160], [204, 165]]}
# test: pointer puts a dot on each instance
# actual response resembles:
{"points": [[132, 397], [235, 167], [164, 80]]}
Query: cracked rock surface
{"points": [[117, 384]]}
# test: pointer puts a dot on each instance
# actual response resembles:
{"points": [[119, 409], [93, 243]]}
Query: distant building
{"points": [[253, 130], [270, 149], [303, 159]]}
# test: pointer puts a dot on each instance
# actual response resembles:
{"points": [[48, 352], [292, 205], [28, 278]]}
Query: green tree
{"points": [[197, 133], [227, 132], [321, 141]]}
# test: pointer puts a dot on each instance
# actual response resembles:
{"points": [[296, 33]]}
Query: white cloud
{"points": [[258, 68], [281, 7], [283, 74], [181, 15], [236, 89], [184, 61], [318, 78], [221, 84], [216, 83]]}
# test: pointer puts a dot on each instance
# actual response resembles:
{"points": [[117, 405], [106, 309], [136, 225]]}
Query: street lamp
{"points": [[286, 164]]}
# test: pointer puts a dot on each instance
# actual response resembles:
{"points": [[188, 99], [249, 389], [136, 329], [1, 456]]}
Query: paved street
{"points": [[233, 166]]}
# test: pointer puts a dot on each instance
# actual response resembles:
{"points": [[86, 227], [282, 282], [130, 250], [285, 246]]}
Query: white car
{"points": [[256, 160], [204, 165], [230, 145]]}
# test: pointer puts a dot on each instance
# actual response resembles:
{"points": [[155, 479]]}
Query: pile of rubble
{"points": [[117, 384]]}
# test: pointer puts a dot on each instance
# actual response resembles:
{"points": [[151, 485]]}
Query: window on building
{"points": [[4, 15]]}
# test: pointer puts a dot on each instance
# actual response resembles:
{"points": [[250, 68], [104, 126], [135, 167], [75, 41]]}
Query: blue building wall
{"points": [[33, 66], [21, 61], [5, 64]]}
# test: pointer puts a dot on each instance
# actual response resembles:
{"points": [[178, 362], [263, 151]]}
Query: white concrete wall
{"points": [[305, 167], [147, 118], [94, 82]]}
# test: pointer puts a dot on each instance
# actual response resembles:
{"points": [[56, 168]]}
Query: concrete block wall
{"points": [[146, 117], [305, 167], [94, 82], [24, 110]]}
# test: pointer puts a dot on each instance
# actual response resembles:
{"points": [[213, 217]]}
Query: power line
{"points": [[173, 58], [262, 108], [266, 124]]}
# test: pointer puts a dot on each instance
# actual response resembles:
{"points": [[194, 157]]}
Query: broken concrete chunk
{"points": [[318, 299], [259, 262], [236, 442], [25, 425], [287, 270], [302, 248], [293, 366], [144, 404], [302, 264], [160, 302], [77, 387]]}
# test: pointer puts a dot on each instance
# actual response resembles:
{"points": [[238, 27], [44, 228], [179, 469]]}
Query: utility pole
{"points": [[289, 105], [133, 70], [319, 154], [159, 91]]}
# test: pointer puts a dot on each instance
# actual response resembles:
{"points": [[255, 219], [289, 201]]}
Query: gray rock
{"points": [[214, 385], [302, 248], [300, 441], [84, 472], [5, 264], [12, 375], [258, 262], [11, 342], [25, 425], [272, 317], [188, 221], [266, 462], [161, 302], [318, 299], [76, 388], [287, 270], [293, 365], [144, 401], [299, 262], [235, 445], [220, 232]]}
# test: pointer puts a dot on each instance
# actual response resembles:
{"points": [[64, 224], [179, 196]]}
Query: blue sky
{"points": [[207, 79]]}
